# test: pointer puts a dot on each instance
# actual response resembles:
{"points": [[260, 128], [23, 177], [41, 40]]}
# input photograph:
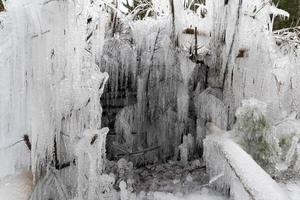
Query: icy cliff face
{"points": [[50, 81]]}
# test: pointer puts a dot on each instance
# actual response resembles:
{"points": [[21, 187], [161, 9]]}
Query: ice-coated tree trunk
{"points": [[50, 81]]}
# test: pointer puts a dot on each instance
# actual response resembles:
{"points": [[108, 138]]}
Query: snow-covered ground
{"points": [[19, 187], [292, 189], [16, 187], [204, 194]]}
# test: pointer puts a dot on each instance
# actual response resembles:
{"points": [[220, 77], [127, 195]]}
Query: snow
{"points": [[245, 178], [291, 151], [16, 187], [51, 81], [204, 194], [90, 153], [292, 188], [246, 58]]}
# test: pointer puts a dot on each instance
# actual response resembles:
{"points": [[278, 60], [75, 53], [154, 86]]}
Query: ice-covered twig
{"points": [[127, 153], [11, 145], [25, 139], [215, 178]]}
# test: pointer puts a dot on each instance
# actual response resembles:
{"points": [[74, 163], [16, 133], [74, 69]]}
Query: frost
{"points": [[256, 135], [125, 125], [287, 131], [126, 193], [50, 89], [184, 151], [50, 187], [178, 70], [90, 153], [235, 173], [278, 12], [291, 151]]}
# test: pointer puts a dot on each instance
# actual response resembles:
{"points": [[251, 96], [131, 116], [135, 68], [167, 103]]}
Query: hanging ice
{"points": [[50, 85]]}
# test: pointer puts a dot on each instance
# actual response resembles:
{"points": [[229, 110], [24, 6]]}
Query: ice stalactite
{"points": [[69, 95], [245, 61], [159, 76], [125, 125], [55, 187], [151, 70], [287, 132], [297, 165], [51, 83], [209, 108], [291, 152], [14, 95], [184, 151], [187, 148], [90, 159], [126, 193]]}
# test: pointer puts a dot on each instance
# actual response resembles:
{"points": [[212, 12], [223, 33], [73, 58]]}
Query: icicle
{"points": [[184, 150], [291, 152], [124, 193], [297, 165], [90, 153], [215, 178], [105, 188]]}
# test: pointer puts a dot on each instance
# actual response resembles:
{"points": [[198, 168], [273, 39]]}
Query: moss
{"points": [[292, 7]]}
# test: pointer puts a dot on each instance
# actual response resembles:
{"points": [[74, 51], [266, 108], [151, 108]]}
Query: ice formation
{"points": [[151, 65], [90, 160], [256, 135], [236, 173], [291, 151], [50, 82], [287, 132], [170, 75]]}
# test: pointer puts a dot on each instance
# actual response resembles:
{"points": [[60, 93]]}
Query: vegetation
{"points": [[1, 6], [256, 136], [286, 142], [193, 4], [291, 6], [140, 8]]}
